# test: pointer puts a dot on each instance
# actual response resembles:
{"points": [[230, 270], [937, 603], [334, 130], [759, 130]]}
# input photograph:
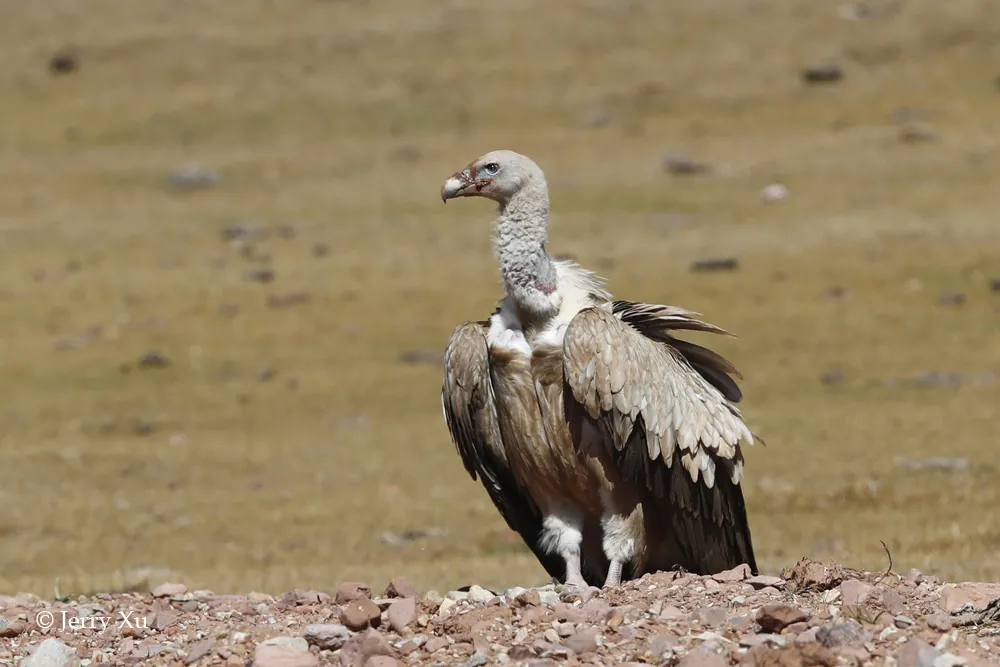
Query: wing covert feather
{"points": [[470, 411], [665, 409]]}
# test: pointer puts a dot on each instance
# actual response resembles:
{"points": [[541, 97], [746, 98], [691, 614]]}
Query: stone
{"points": [[774, 192], [842, 633], [193, 177], [917, 653], [978, 594], [52, 653], [702, 658], [360, 614], [763, 581], [166, 590], [813, 575], [400, 588], [583, 641], [683, 165], [199, 651], [776, 617], [327, 636], [360, 648], [380, 661], [738, 573], [822, 74], [401, 613], [717, 264], [854, 591], [435, 644], [892, 601], [671, 613], [938, 623], [712, 616], [661, 644], [284, 652]]}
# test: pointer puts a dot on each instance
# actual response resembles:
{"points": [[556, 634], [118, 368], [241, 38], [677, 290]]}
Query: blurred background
{"points": [[227, 276]]}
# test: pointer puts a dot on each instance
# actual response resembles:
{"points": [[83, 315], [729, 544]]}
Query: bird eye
{"points": [[492, 168]]}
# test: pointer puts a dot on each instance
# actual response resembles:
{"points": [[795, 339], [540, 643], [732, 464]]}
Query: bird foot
{"points": [[576, 582]]}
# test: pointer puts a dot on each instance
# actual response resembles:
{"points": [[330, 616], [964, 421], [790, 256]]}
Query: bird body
{"points": [[612, 447]]}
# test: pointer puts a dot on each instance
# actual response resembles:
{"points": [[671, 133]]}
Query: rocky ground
{"points": [[813, 615]]}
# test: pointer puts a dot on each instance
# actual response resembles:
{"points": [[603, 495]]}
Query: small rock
{"points": [[320, 249], [284, 652], [661, 644], [597, 118], [995, 284], [951, 299], [528, 598], [360, 614], [479, 595], [763, 581], [812, 575], [446, 606], [281, 301], [855, 591], [915, 132], [774, 193], [352, 590], [938, 623], [583, 641], [715, 264], [401, 613], [380, 661], [8, 630], [169, 590], [702, 658], [956, 596], [892, 601], [711, 616], [776, 617], [400, 588], [65, 61], [199, 651], [548, 598], [52, 653], [259, 275], [683, 165], [820, 74], [671, 613], [193, 177], [153, 359], [327, 636], [565, 630], [917, 653], [842, 633], [435, 644], [738, 573], [360, 648]]}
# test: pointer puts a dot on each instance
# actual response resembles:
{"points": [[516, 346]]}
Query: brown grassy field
{"points": [[286, 436]]}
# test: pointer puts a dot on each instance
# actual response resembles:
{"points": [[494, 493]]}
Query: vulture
{"points": [[611, 446]]}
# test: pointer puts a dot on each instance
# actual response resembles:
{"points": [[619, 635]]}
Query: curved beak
{"points": [[457, 185]]}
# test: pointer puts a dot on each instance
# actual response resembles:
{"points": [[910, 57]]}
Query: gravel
{"points": [[814, 614]]}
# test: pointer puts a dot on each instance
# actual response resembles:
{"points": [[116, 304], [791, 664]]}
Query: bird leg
{"points": [[619, 541], [563, 536], [614, 574], [574, 574]]}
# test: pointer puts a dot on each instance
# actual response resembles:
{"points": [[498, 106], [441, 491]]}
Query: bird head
{"points": [[498, 175]]}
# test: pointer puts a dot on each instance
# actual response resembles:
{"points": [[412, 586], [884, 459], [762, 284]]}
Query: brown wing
{"points": [[470, 412], [665, 410]]}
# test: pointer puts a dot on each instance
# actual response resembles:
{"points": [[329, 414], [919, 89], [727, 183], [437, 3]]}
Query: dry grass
{"points": [[341, 119]]}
